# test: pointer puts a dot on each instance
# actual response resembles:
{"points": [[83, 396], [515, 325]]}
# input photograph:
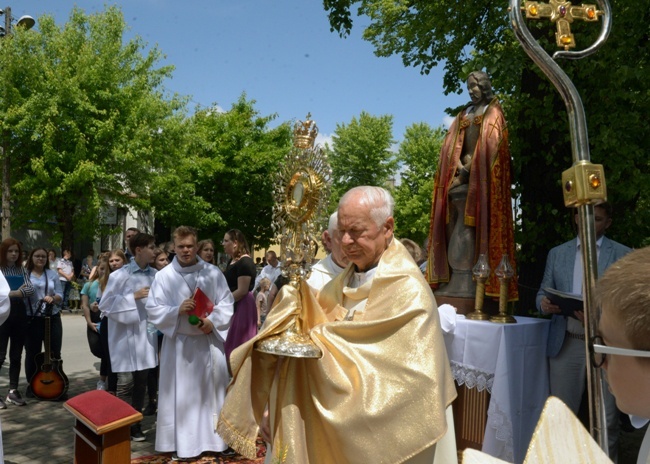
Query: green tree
{"points": [[19, 77], [361, 154], [224, 179], [94, 117], [476, 35], [418, 156]]}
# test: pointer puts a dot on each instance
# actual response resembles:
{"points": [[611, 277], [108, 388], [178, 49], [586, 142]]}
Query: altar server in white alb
{"points": [[133, 348], [193, 370], [334, 263]]}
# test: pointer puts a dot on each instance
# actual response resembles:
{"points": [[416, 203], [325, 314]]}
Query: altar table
{"points": [[509, 361]]}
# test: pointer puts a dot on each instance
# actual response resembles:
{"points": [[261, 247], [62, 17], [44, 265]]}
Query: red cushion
{"points": [[100, 407]]}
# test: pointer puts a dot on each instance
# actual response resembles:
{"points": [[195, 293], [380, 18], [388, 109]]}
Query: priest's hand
{"points": [[205, 325], [187, 306], [548, 307], [580, 315]]}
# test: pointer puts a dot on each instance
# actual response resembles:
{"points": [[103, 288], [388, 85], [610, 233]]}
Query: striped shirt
{"points": [[27, 289]]}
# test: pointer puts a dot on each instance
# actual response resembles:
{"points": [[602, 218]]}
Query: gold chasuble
{"points": [[379, 392], [489, 202]]}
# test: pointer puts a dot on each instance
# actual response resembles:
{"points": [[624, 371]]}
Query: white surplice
{"points": [[132, 347], [193, 370], [323, 271]]}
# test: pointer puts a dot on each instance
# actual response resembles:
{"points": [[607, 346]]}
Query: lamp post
{"points": [[27, 22]]}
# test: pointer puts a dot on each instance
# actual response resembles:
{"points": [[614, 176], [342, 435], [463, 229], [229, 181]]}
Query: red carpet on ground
{"points": [[206, 458]]}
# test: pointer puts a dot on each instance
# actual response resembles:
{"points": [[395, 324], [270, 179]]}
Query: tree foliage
{"points": [[224, 177], [476, 35], [418, 156], [361, 154], [87, 130]]}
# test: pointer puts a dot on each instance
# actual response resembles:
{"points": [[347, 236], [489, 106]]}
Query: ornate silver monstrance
{"points": [[301, 194], [584, 183]]}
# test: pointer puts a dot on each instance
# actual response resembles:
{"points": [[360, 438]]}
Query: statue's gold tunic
{"points": [[380, 390]]}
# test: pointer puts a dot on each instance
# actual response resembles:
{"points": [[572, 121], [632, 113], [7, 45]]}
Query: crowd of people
{"points": [[166, 320], [129, 338]]}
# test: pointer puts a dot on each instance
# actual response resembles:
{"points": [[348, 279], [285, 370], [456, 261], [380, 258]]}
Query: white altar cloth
{"points": [[509, 360]]}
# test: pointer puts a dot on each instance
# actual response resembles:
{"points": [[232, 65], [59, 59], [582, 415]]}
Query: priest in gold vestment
{"points": [[379, 392]]}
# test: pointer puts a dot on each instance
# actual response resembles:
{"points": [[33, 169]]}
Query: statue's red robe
{"points": [[489, 203]]}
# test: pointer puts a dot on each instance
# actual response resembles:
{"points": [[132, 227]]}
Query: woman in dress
{"points": [[12, 332], [206, 250], [240, 274], [47, 291]]}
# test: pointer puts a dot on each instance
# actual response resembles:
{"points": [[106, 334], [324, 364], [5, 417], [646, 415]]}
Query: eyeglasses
{"points": [[599, 351], [40, 257]]}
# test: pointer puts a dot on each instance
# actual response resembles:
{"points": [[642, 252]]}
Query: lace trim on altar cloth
{"points": [[472, 378], [499, 421]]}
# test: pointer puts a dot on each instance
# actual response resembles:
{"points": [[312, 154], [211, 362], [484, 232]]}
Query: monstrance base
{"points": [[289, 344]]}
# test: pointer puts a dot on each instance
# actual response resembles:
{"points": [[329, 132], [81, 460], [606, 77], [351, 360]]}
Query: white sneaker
{"points": [[101, 385]]}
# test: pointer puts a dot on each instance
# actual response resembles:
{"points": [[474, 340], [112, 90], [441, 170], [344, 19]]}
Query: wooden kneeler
{"points": [[102, 431]]}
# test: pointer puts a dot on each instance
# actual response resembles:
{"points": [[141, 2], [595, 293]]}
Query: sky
{"points": [[281, 53]]}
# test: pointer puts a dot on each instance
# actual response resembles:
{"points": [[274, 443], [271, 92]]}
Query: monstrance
{"points": [[301, 194]]}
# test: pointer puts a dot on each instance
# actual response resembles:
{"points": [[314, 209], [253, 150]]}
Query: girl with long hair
{"points": [[47, 291], [206, 250], [160, 259], [12, 332]]}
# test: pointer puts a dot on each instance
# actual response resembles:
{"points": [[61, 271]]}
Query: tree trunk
{"points": [[66, 226], [6, 190], [540, 185]]}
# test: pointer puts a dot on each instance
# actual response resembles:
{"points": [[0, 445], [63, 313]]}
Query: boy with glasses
{"points": [[622, 345]]}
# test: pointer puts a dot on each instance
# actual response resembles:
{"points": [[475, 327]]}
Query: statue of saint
{"points": [[471, 212]]}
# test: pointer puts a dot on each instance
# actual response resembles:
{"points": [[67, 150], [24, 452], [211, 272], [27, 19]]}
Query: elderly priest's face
{"points": [[363, 240]]}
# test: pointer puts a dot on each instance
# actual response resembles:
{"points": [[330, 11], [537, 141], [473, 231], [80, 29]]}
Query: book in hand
{"points": [[202, 308], [568, 302], [15, 281]]}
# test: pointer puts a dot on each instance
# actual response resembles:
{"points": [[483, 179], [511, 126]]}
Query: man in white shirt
{"points": [[332, 265], [271, 271], [65, 269], [133, 348]]}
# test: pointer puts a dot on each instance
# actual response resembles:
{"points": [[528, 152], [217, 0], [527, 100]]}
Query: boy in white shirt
{"points": [[133, 348]]}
